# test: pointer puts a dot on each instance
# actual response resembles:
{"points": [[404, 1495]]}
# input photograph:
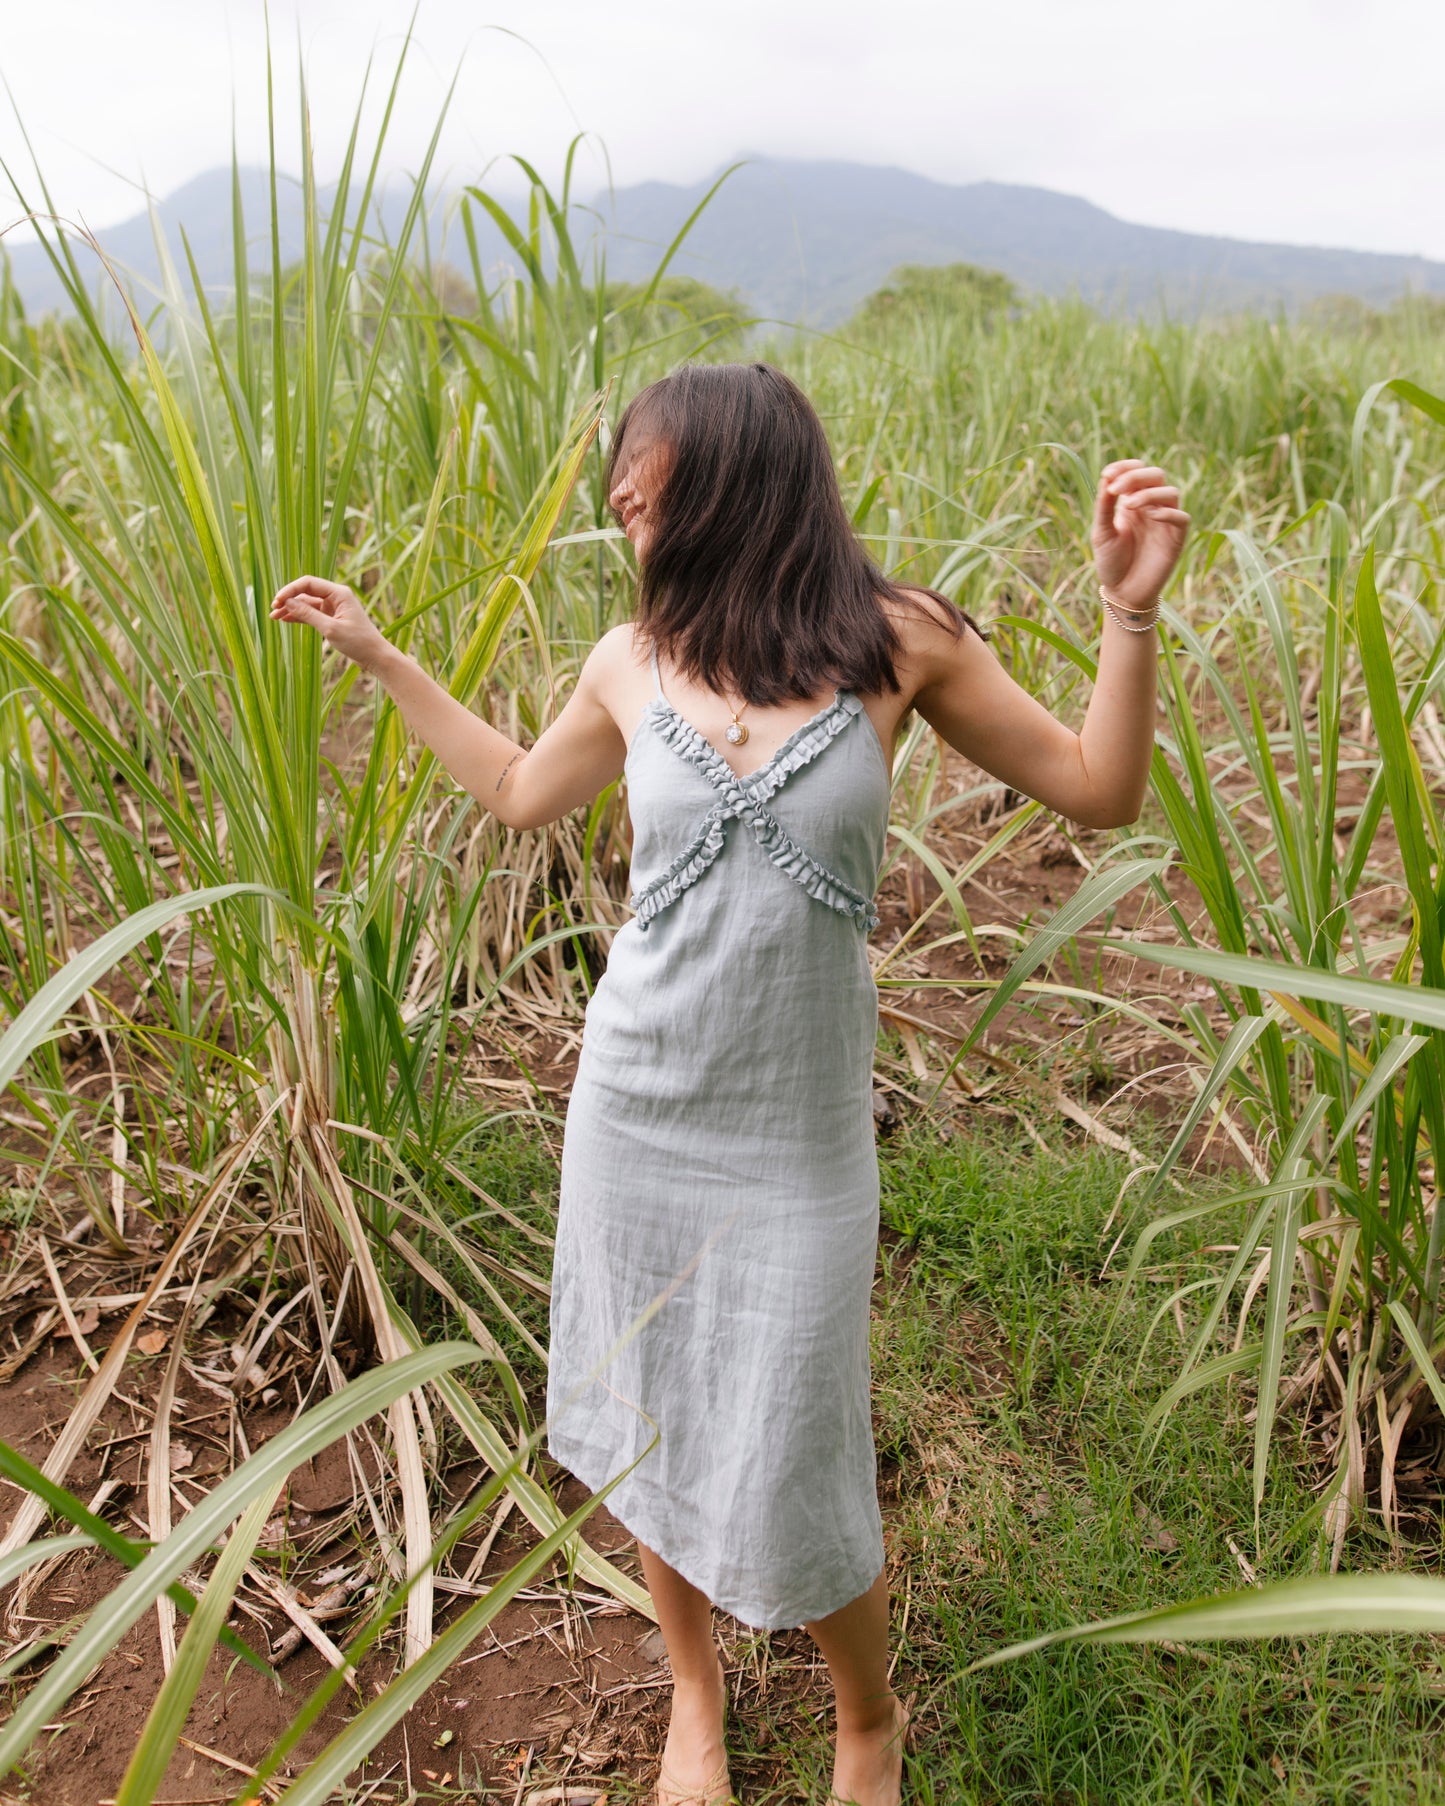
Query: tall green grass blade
{"points": [[93, 1529], [350, 1746], [1400, 1051], [30, 1555], [1419, 1353], [1404, 1003], [167, 1717], [1315, 1605], [84, 969], [1098, 893], [1278, 1298], [299, 1441], [1235, 1049]]}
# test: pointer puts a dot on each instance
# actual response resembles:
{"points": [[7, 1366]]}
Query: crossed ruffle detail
{"points": [[741, 799]]}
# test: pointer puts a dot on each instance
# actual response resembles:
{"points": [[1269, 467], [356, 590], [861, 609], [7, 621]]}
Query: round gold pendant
{"points": [[735, 734]]}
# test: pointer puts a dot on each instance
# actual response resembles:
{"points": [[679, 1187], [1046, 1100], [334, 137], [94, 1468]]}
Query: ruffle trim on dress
{"points": [[800, 748], [803, 746], [741, 799], [685, 740], [804, 870], [684, 871]]}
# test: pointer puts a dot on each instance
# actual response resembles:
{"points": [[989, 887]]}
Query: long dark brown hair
{"points": [[755, 581]]}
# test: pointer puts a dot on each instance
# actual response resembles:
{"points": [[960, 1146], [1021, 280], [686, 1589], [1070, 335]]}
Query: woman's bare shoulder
{"points": [[619, 651], [922, 610], [929, 634], [614, 672]]}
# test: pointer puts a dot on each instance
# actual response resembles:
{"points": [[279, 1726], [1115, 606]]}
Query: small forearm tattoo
{"points": [[507, 767]]}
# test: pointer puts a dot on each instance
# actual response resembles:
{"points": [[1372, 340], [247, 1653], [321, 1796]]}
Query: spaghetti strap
{"points": [[656, 675]]}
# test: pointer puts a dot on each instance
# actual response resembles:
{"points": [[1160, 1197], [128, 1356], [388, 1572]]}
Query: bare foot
{"points": [[868, 1769], [694, 1751]]}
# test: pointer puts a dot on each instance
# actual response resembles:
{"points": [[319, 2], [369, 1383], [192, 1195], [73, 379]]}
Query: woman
{"points": [[719, 1147]]}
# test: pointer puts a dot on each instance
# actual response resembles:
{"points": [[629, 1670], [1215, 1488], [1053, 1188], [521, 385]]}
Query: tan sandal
{"points": [[709, 1795]]}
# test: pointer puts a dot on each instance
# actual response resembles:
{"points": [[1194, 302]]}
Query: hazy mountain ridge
{"points": [[808, 240]]}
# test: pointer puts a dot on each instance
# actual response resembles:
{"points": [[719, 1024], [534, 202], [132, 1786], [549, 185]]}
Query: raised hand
{"points": [[1138, 530], [336, 614]]}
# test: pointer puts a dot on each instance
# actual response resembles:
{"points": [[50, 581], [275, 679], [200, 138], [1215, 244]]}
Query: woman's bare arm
{"points": [[1098, 776], [577, 756]]}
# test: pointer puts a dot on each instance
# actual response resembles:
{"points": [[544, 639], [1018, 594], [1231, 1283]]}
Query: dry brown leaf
{"points": [[153, 1341], [1156, 1533]]}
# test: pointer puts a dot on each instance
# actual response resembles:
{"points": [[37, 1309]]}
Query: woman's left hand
{"points": [[1138, 531]]}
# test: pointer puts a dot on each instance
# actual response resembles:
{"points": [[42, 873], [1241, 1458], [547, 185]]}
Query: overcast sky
{"points": [[1305, 121]]}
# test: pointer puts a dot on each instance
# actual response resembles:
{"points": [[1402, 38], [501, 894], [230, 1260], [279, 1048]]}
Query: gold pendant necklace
{"points": [[735, 733]]}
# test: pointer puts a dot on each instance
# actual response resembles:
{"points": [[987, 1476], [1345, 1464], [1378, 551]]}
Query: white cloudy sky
{"points": [[1307, 121]]}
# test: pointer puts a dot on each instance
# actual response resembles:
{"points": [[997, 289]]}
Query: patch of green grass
{"points": [[510, 1162], [1029, 1501]]}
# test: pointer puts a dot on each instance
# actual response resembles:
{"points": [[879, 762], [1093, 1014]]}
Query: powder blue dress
{"points": [[719, 1152]]}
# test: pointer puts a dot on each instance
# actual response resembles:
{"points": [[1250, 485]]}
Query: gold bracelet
{"points": [[1132, 620], [1123, 607], [1138, 625]]}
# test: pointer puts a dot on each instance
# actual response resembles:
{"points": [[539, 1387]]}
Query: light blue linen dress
{"points": [[719, 1142]]}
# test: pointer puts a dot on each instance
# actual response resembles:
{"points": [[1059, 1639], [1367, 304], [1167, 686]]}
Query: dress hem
{"points": [[755, 1617]]}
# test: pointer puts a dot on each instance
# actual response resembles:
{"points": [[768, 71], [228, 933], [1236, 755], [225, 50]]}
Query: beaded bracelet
{"points": [[1133, 620]]}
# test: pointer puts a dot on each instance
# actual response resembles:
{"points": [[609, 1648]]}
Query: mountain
{"points": [[807, 241], [203, 207]]}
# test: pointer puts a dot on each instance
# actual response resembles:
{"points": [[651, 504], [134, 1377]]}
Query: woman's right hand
{"points": [[336, 614]]}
